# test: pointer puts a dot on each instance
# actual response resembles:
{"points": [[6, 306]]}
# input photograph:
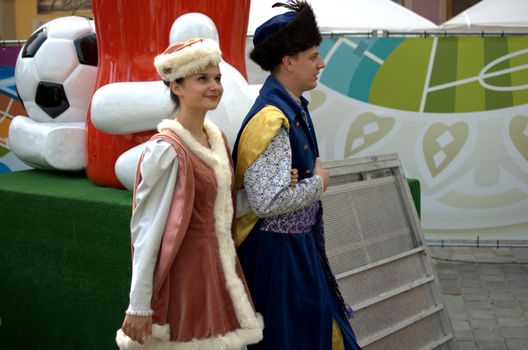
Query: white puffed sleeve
{"points": [[159, 171]]}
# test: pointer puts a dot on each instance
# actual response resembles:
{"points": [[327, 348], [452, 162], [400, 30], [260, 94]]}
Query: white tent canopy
{"points": [[338, 16], [492, 15]]}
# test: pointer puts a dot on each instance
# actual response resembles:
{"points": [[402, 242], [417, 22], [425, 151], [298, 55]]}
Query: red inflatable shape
{"points": [[130, 33]]}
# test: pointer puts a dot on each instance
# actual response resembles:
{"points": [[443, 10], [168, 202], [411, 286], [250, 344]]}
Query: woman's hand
{"points": [[137, 327]]}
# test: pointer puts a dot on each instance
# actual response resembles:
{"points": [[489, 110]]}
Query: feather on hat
{"points": [[285, 34]]}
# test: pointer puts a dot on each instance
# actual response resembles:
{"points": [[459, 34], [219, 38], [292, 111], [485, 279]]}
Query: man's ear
{"points": [[287, 62]]}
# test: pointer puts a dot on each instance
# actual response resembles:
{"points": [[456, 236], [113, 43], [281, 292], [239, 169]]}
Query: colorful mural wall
{"points": [[10, 107], [455, 109], [31, 14]]}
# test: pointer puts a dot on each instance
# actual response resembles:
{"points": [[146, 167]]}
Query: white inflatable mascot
{"points": [[122, 108]]}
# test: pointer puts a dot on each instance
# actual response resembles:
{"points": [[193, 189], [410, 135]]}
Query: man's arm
{"points": [[267, 181]]}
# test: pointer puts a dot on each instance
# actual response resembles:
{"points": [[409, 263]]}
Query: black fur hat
{"points": [[285, 34]]}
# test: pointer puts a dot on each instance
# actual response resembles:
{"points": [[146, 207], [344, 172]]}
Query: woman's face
{"points": [[200, 91]]}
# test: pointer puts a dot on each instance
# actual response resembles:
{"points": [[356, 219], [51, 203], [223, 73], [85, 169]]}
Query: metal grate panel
{"points": [[375, 247], [352, 213], [424, 334], [395, 310], [361, 286]]}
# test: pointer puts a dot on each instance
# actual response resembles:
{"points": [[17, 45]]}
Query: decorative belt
{"points": [[299, 221]]}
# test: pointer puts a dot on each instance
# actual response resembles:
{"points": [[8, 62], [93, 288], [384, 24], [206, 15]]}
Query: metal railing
{"points": [[12, 42], [375, 33], [477, 243]]}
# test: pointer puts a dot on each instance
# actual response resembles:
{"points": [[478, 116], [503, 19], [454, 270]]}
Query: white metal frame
{"points": [[390, 281]]}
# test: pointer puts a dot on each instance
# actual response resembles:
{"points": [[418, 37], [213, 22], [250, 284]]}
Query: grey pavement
{"points": [[485, 291]]}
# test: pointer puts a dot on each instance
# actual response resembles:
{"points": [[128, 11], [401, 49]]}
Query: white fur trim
{"points": [[235, 340], [251, 323], [188, 60]]}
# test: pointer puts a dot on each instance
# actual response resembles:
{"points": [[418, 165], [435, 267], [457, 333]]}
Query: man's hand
{"points": [[319, 170], [294, 177]]}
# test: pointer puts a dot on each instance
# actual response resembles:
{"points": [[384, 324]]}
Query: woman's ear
{"points": [[175, 88]]}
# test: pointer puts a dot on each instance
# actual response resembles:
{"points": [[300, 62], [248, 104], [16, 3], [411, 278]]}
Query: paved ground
{"points": [[486, 294]]}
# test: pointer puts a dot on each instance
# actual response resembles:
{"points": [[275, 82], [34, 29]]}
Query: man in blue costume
{"points": [[280, 241]]}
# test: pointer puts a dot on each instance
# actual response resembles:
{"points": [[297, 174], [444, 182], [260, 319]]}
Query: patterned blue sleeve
{"points": [[267, 181]]}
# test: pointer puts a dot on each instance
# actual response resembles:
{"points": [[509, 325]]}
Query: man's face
{"points": [[305, 67]]}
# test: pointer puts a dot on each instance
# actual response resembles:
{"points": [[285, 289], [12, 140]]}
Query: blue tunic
{"points": [[285, 265]]}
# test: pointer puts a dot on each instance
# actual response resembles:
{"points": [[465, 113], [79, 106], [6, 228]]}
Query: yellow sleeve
{"points": [[255, 138]]}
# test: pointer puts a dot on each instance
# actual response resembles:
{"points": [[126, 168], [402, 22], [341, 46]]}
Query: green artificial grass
{"points": [[64, 261], [414, 188]]}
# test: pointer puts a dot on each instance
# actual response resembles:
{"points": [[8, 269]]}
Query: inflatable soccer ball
{"points": [[56, 70]]}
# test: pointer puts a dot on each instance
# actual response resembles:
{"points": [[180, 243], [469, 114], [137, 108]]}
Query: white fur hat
{"points": [[180, 60]]}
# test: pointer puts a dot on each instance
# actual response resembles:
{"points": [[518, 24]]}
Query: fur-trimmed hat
{"points": [[285, 34], [180, 60]]}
